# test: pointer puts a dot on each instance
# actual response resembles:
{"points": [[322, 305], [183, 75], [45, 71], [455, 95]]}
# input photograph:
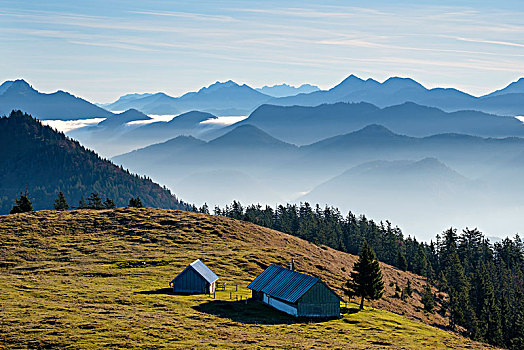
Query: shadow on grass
{"points": [[349, 310], [251, 312], [164, 291]]}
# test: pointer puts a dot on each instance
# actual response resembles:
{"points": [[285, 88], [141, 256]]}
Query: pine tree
{"points": [[402, 263], [94, 201], [60, 202], [409, 289], [22, 205], [109, 204], [135, 202], [427, 299], [82, 203], [366, 279], [204, 209]]}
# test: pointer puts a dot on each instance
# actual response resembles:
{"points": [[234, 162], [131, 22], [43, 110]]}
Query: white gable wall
{"points": [[277, 304]]}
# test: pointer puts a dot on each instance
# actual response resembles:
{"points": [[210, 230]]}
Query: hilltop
{"points": [[98, 279]]}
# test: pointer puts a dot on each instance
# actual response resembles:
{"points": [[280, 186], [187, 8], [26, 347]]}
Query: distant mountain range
{"points": [[284, 90], [394, 91], [231, 99], [43, 161], [115, 136], [131, 115], [227, 98], [354, 170], [419, 193], [302, 125]]}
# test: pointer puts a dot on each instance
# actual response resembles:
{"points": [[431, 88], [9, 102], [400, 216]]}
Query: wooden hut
{"points": [[295, 293], [195, 278]]}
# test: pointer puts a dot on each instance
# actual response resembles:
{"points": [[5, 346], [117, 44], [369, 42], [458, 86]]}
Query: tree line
{"points": [[23, 204], [484, 280]]}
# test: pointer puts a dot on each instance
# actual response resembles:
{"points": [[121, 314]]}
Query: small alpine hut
{"points": [[195, 278], [295, 293]]}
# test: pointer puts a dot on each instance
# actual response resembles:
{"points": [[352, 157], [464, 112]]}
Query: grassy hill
{"points": [[99, 279]]}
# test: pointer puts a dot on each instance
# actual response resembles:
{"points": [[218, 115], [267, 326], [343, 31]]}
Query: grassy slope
{"points": [[68, 280]]}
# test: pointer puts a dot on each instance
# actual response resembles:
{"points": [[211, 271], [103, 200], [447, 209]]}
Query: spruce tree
{"points": [[135, 202], [366, 279], [60, 202], [22, 205], [82, 203], [427, 299], [109, 204], [402, 263], [204, 209], [94, 201]]}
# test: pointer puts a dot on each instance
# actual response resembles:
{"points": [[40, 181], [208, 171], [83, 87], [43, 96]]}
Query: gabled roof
{"points": [[284, 284], [201, 269]]}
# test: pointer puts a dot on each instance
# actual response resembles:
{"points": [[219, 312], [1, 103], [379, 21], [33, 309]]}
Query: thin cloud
{"points": [[189, 15], [494, 42]]}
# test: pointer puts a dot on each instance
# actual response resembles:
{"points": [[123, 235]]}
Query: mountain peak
{"points": [[351, 79], [374, 130], [248, 135], [284, 90], [402, 83], [5, 85], [352, 84], [19, 86], [219, 85]]}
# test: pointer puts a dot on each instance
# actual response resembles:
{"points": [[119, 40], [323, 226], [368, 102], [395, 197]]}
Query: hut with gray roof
{"points": [[196, 278], [295, 293]]}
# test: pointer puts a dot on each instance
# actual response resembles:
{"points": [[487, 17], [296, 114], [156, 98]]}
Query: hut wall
{"points": [[212, 287], [190, 282], [280, 305], [319, 301]]}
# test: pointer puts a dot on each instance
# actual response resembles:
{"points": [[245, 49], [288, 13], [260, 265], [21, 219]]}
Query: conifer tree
{"points": [[135, 202], [60, 202], [409, 289], [427, 299], [82, 203], [94, 201], [109, 204], [402, 263], [22, 205], [204, 209], [366, 279]]}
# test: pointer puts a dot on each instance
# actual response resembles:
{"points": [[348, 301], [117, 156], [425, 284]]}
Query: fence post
{"points": [[236, 287], [230, 295]]}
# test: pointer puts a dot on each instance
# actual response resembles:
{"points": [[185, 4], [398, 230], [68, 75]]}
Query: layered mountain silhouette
{"points": [[221, 98], [395, 91], [117, 120], [370, 167], [36, 158], [242, 154], [517, 87], [284, 90], [19, 95], [229, 98], [303, 125], [426, 189], [244, 143]]}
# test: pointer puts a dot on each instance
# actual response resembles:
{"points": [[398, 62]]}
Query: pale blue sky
{"points": [[100, 50]]}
